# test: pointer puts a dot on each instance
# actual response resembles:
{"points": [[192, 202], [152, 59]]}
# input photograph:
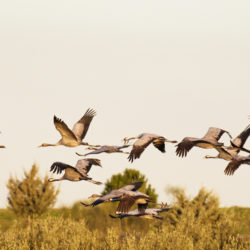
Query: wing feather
{"points": [[159, 143], [184, 147], [80, 129], [138, 147], [232, 167], [215, 133], [84, 165], [63, 129], [58, 167], [132, 187], [240, 140]]}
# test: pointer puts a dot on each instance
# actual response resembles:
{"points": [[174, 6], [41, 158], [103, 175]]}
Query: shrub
{"points": [[31, 195]]}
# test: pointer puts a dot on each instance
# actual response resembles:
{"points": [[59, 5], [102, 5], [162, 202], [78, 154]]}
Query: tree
{"points": [[31, 195], [129, 176]]}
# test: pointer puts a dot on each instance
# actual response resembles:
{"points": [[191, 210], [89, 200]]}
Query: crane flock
{"points": [[128, 195]]}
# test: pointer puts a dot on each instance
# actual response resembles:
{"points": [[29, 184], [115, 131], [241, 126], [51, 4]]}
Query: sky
{"points": [[173, 68]]}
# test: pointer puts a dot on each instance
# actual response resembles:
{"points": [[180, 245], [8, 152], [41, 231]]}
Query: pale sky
{"points": [[173, 68]]}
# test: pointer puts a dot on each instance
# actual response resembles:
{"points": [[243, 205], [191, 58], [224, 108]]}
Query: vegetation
{"points": [[127, 177], [196, 223], [31, 196]]}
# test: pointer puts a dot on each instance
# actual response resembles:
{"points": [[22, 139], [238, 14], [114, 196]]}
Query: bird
{"points": [[114, 195], [235, 163], [143, 211], [209, 140], [129, 198], [74, 137], [228, 152], [105, 149], [143, 140], [77, 173]]}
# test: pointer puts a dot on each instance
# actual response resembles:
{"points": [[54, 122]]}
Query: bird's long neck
{"points": [[211, 157], [52, 179], [49, 144]]}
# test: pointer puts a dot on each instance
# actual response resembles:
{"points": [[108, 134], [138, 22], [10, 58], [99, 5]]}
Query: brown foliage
{"points": [[31, 195]]}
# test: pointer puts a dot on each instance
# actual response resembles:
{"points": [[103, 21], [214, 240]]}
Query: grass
{"points": [[197, 223]]}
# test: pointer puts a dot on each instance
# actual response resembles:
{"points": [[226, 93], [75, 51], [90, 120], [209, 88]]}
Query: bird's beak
{"points": [[171, 141]]}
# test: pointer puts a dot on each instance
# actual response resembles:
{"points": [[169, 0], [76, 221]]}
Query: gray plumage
{"points": [[142, 211], [209, 140], [74, 137], [77, 173], [115, 194], [143, 140], [106, 149], [227, 152]]}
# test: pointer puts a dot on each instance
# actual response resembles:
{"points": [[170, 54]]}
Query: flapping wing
{"points": [[84, 165], [63, 129], [240, 140], [185, 145], [132, 187], [232, 167], [215, 133], [138, 147], [126, 202], [80, 129], [159, 143], [58, 167]]}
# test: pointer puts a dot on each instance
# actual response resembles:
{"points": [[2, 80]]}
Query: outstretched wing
{"points": [[215, 133], [127, 201], [80, 129], [138, 147], [159, 143], [58, 167], [240, 140], [185, 145], [232, 167], [63, 129], [132, 187], [84, 165]]}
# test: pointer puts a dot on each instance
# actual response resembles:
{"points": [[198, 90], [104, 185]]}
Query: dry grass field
{"points": [[197, 223]]}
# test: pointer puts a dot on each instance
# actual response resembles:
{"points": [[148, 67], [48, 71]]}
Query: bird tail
{"points": [[95, 182]]}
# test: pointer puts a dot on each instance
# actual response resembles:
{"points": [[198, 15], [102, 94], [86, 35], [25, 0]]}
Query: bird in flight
{"points": [[77, 173], [105, 149], [74, 137], [144, 212], [228, 152], [114, 195], [143, 140], [209, 140]]}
